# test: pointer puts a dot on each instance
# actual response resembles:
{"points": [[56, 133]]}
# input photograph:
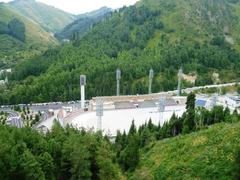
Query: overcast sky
{"points": [[82, 6]]}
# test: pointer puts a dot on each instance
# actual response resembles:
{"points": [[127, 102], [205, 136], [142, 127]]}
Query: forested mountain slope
{"points": [[83, 23], [20, 37], [208, 154], [202, 36], [50, 18]]}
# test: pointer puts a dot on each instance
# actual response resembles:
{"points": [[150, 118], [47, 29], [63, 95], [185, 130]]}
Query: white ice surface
{"points": [[114, 120]]}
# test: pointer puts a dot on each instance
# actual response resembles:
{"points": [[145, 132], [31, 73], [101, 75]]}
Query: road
{"points": [[10, 112], [188, 90], [14, 118]]}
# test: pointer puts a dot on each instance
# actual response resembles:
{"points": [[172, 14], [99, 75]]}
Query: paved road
{"points": [[10, 112], [14, 118], [187, 90]]}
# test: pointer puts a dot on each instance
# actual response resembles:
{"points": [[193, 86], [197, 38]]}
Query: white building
{"points": [[5, 71], [233, 101]]}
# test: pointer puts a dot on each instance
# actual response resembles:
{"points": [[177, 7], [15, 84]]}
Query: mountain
{"points": [[207, 154], [20, 37], [96, 13], [201, 36], [50, 18], [83, 23]]}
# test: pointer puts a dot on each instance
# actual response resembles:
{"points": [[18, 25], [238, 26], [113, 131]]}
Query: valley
{"points": [[146, 91]]}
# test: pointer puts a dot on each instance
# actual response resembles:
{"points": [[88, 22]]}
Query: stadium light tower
{"points": [[161, 107], [118, 77], [151, 74], [180, 72], [82, 84], [99, 113]]}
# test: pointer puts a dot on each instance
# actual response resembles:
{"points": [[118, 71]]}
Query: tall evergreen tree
{"points": [[129, 157], [133, 129], [189, 121]]}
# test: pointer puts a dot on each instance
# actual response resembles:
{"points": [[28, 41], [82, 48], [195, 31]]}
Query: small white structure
{"points": [[5, 71], [66, 41], [3, 82], [50, 113], [43, 129], [233, 101], [68, 109]]}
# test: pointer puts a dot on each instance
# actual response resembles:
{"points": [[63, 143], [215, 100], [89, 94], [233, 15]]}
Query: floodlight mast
{"points": [[99, 113], [118, 77], [180, 72], [151, 74], [161, 107], [82, 85]]}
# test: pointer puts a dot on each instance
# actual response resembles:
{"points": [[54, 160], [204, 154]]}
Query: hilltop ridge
{"points": [[49, 17]]}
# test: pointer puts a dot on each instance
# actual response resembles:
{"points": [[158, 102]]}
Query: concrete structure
{"points": [[118, 78], [82, 85], [151, 74], [99, 114], [120, 119], [233, 101], [68, 109], [180, 72], [119, 111], [161, 107]]}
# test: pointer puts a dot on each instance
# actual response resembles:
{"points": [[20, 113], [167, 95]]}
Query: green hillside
{"points": [[20, 37], [202, 37], [83, 23], [50, 18], [207, 154], [200, 20]]}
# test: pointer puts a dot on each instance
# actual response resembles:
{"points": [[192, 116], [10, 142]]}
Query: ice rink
{"points": [[121, 119]]}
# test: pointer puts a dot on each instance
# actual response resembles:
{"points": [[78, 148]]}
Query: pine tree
{"points": [[133, 129], [129, 157], [150, 125], [189, 121]]}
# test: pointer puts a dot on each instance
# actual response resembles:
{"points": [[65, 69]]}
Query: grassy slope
{"points": [[199, 21], [207, 154], [50, 18], [34, 33], [37, 39]]}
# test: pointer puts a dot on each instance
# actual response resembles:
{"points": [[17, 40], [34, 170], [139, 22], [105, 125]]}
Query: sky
{"points": [[83, 6]]}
